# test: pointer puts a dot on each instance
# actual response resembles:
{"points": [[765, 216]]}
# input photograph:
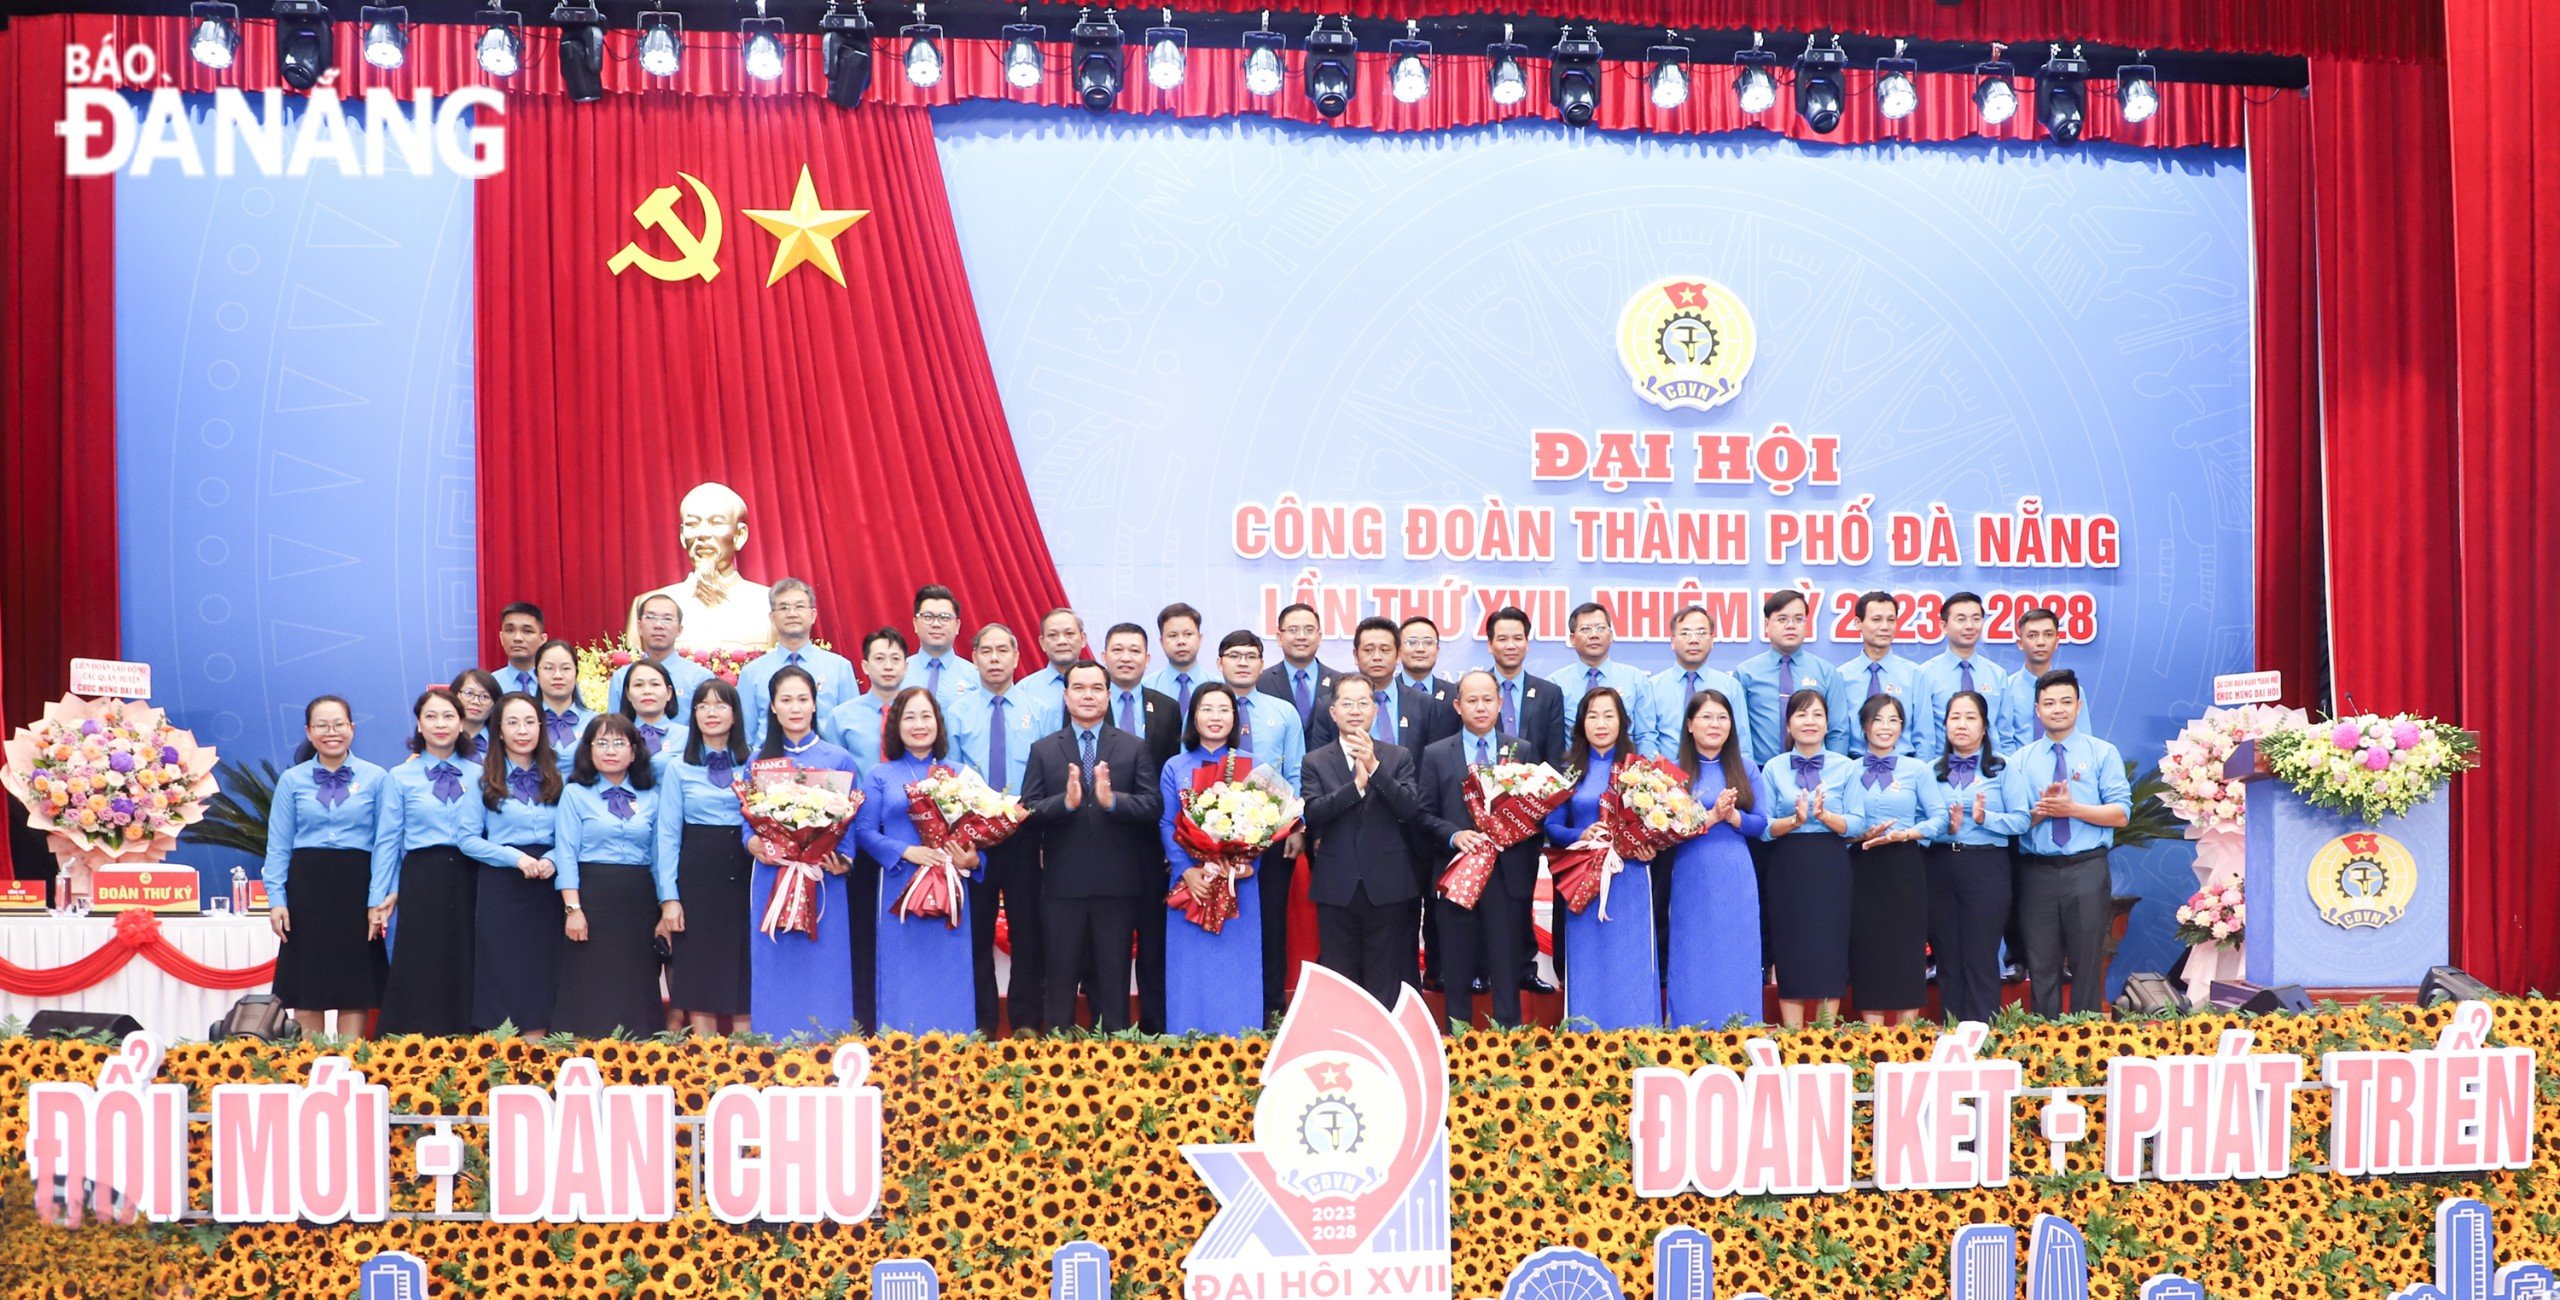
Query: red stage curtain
{"points": [[2292, 577], [2505, 284], [860, 421]]}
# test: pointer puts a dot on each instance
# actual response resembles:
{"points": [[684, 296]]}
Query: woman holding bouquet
{"points": [[421, 875], [555, 675], [1889, 800], [516, 940], [926, 981], [802, 982], [708, 977], [319, 838], [648, 691], [1715, 897], [1212, 982], [620, 897], [1969, 861], [477, 692], [1613, 982], [1808, 862]]}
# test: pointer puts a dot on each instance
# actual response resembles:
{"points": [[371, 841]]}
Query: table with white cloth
{"points": [[166, 1005]]}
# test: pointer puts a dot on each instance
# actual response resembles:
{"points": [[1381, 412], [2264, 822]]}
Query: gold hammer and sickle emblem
{"points": [[698, 251]]}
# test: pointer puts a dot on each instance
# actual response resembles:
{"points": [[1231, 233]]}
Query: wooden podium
{"points": [[2335, 903]]}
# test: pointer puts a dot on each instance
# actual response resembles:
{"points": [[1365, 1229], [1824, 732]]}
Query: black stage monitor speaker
{"points": [[259, 1016], [2446, 984], [2149, 993], [2254, 1000], [72, 1024]]}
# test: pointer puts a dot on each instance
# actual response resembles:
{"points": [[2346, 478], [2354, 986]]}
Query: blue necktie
{"points": [[2062, 775], [617, 801], [933, 678], [1383, 726], [1875, 679], [524, 681], [1182, 693], [1088, 755], [1306, 700], [1128, 713], [1691, 677], [1484, 750], [332, 786], [1244, 725], [995, 742], [1964, 673], [1510, 708], [1590, 680], [1786, 676]]}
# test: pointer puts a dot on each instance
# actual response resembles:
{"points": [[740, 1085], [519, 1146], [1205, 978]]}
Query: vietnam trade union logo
{"points": [[2363, 880], [1687, 342]]}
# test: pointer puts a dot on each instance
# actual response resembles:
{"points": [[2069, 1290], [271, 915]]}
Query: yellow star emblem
{"points": [[806, 230]]}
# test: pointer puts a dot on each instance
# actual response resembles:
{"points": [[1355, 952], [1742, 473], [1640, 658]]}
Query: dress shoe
{"points": [[1430, 983], [1480, 986], [1535, 984]]}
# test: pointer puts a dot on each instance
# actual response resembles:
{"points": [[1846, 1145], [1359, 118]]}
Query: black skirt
{"points": [[610, 981], [1889, 927], [1807, 904], [429, 989], [709, 972], [325, 962], [517, 975]]}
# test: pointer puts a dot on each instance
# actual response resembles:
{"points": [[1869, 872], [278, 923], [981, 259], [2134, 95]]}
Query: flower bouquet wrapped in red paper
{"points": [[801, 814], [958, 813], [1510, 803], [1647, 806], [1224, 825]]}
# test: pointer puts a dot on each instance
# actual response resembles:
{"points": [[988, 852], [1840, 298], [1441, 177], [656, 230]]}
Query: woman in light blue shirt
{"points": [[420, 875], [1969, 861], [620, 899], [648, 697], [477, 692], [564, 715], [1889, 799], [1807, 868], [319, 851], [517, 961], [709, 973]]}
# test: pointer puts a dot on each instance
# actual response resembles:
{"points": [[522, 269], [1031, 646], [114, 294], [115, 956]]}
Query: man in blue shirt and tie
{"points": [[2075, 785], [1957, 669], [1592, 636], [1062, 640], [795, 614], [519, 637], [992, 730], [1269, 729], [661, 622], [1874, 670], [1693, 634], [1299, 680], [1419, 655], [2039, 633], [1786, 667], [1178, 632], [938, 665]]}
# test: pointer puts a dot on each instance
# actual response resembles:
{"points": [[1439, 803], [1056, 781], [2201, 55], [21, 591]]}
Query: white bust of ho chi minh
{"points": [[722, 608]]}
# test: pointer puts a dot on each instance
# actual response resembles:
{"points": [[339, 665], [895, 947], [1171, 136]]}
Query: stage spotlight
{"points": [[1755, 87], [1409, 66], [1168, 54], [216, 39], [1022, 54], [1897, 95], [302, 43], [661, 42], [1506, 75], [501, 43], [1822, 79], [581, 50], [2138, 91], [924, 52], [2447, 984], [1573, 76], [2062, 96], [386, 35], [1264, 65], [764, 46], [1099, 47], [1333, 68], [1666, 77], [1993, 95], [847, 52]]}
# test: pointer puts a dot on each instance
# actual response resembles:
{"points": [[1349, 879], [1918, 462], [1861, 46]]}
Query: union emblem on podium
{"points": [[2362, 880]]}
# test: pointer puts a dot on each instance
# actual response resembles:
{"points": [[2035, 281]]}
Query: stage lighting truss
{"points": [[1995, 95], [1506, 75], [1409, 66], [1022, 66], [762, 50], [1573, 76], [1100, 51], [846, 52], [2138, 91], [386, 35], [1666, 77], [581, 51], [924, 52], [501, 44], [1168, 54], [661, 42], [214, 37], [1333, 68], [1755, 80], [1822, 85], [2062, 95], [1897, 84], [1266, 62], [302, 43]]}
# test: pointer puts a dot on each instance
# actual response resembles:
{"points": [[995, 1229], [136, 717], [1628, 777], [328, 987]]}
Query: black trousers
{"points": [[1274, 875], [1486, 942], [1088, 937], [1012, 871], [862, 889], [2065, 907], [1371, 944], [1151, 915], [1969, 896]]}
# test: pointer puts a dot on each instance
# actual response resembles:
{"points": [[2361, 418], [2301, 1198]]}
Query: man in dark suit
{"points": [[1091, 789], [1360, 797], [1418, 718], [1533, 710], [1470, 949], [1155, 718], [1298, 678]]}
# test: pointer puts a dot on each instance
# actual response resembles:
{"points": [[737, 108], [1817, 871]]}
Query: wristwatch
{"points": [[574, 907]]}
